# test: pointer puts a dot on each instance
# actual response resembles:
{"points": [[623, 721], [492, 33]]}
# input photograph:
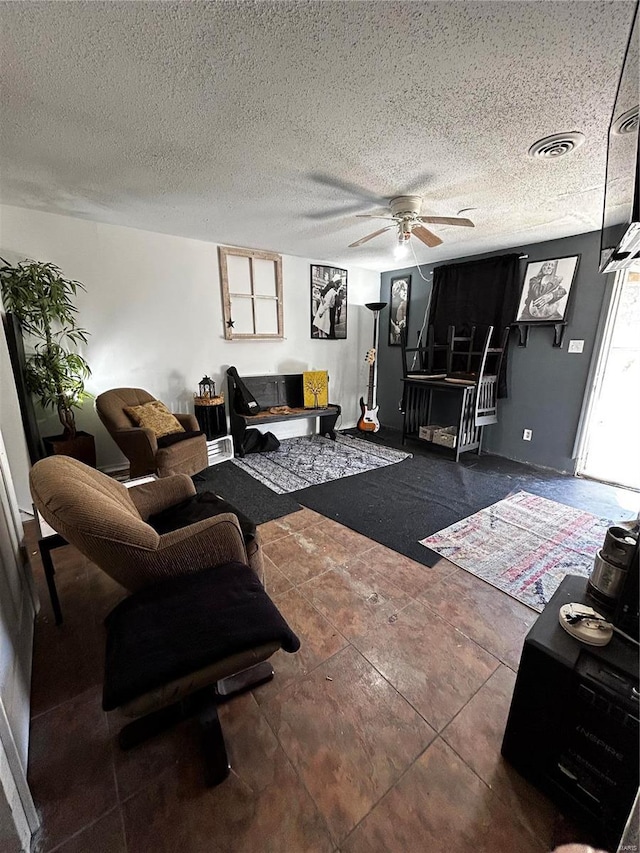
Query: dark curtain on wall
{"points": [[476, 293]]}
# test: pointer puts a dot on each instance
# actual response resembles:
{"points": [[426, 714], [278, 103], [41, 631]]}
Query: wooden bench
{"points": [[283, 389]]}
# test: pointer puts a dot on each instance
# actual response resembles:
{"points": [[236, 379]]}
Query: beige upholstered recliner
{"points": [[108, 523], [198, 626], [140, 445]]}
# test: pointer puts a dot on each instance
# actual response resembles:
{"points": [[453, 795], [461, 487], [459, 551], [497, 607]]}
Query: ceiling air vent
{"points": [[557, 145], [627, 122]]}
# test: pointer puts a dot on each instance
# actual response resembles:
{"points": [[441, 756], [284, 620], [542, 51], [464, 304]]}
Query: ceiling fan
{"points": [[405, 214]]}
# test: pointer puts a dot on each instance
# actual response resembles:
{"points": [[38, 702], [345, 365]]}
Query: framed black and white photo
{"points": [[328, 303], [546, 289], [399, 298]]}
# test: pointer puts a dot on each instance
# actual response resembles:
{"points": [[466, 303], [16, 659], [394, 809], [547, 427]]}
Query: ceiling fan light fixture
{"points": [[406, 218], [402, 246], [406, 205]]}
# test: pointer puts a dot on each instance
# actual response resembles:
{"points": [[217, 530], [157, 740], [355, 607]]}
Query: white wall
{"points": [[153, 308]]}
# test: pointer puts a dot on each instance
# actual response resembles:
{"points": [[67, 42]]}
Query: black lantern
{"points": [[207, 388]]}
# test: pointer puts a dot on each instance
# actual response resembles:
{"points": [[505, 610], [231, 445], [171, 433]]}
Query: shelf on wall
{"points": [[523, 332]]}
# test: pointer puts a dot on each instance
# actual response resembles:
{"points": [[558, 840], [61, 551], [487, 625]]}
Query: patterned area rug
{"points": [[523, 545], [311, 460]]}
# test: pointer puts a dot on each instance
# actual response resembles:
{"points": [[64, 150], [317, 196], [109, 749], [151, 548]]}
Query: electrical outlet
{"points": [[526, 434], [576, 346]]}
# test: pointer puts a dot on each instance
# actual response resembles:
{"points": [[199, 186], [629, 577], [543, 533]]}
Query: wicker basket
{"points": [[208, 401], [446, 436], [426, 432]]}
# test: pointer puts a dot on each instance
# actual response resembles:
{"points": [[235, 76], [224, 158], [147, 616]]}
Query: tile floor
{"points": [[382, 734]]}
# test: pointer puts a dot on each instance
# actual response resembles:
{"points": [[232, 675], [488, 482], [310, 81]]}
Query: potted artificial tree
{"points": [[43, 302]]}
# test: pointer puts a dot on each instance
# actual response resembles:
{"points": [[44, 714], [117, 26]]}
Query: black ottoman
{"points": [[183, 644]]}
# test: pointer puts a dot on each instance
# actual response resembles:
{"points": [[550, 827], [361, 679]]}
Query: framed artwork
{"points": [[315, 385], [328, 303], [546, 289], [399, 299]]}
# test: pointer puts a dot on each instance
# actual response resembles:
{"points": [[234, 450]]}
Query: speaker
{"points": [[573, 725]]}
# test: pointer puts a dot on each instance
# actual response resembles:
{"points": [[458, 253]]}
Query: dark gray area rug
{"points": [[394, 505], [428, 493], [245, 492], [400, 504]]}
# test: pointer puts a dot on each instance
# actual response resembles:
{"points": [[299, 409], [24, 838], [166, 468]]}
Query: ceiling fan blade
{"points": [[447, 220], [373, 216], [334, 212], [354, 189], [426, 236], [369, 237]]}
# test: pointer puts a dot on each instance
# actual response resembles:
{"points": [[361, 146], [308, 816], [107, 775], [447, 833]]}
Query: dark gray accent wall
{"points": [[546, 384]]}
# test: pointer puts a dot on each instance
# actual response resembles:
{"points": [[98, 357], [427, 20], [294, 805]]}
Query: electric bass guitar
{"points": [[369, 418]]}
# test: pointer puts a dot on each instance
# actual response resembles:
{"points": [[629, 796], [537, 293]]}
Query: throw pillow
{"points": [[155, 416]]}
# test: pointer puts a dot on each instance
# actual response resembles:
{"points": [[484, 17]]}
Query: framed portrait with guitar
{"points": [[546, 290], [400, 297]]}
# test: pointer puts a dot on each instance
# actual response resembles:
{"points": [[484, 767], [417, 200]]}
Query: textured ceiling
{"points": [[271, 124]]}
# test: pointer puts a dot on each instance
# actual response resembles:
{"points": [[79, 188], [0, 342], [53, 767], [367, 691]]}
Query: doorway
{"points": [[610, 451], [18, 817]]}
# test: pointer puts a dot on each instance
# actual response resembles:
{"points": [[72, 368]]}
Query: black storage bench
{"points": [[276, 391]]}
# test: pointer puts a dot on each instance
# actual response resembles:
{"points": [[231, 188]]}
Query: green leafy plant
{"points": [[43, 302]]}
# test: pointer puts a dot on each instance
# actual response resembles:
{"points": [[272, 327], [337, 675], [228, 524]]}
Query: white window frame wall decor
{"points": [[235, 291]]}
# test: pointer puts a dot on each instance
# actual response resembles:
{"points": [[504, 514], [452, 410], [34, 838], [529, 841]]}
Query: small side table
{"points": [[211, 417], [48, 541]]}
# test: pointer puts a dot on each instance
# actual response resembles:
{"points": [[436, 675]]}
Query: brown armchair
{"points": [[140, 445], [108, 523], [198, 626]]}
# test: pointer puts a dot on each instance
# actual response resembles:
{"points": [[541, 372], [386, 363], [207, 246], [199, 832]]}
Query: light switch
{"points": [[576, 346]]}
